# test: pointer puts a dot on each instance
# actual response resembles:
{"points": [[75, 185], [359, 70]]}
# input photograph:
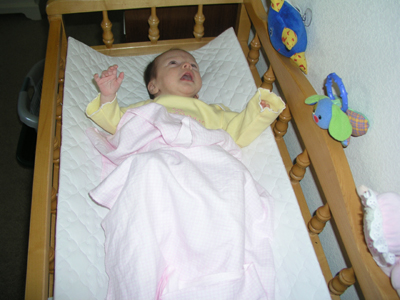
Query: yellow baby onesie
{"points": [[243, 127]]}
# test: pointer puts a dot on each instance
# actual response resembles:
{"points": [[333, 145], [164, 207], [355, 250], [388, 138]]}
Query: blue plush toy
{"points": [[332, 113], [287, 32]]}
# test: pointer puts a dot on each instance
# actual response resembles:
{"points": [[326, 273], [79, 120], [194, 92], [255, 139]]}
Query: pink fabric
{"points": [[382, 230], [389, 204], [186, 220]]}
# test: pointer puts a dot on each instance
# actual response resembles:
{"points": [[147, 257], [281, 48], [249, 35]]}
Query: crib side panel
{"points": [[37, 278], [329, 162]]}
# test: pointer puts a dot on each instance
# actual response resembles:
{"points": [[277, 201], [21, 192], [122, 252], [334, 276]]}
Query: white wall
{"points": [[359, 40]]}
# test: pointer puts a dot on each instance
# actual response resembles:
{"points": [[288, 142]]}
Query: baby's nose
{"points": [[187, 66]]}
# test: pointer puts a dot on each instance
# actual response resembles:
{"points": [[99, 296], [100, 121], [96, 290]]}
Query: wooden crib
{"points": [[319, 150]]}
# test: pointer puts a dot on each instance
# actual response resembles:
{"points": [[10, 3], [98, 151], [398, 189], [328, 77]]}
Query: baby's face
{"points": [[177, 74]]}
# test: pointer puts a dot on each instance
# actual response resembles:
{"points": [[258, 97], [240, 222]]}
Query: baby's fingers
{"points": [[108, 73], [96, 77], [120, 77], [111, 71]]}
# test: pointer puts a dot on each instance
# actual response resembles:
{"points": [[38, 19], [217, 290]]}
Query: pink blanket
{"points": [[186, 219]]}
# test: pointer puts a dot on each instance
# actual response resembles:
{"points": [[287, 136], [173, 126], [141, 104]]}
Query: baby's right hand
{"points": [[264, 104], [108, 83]]}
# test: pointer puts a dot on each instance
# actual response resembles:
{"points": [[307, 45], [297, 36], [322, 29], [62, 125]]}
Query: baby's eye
{"points": [[194, 66], [172, 62]]}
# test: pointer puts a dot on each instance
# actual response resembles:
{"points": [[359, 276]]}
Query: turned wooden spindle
{"points": [[198, 30], [281, 124], [56, 162], [58, 110], [60, 89], [53, 200], [106, 24], [268, 79], [61, 72], [154, 33], [254, 53], [299, 168], [339, 284], [318, 221], [56, 151], [61, 76], [51, 260], [60, 95]]}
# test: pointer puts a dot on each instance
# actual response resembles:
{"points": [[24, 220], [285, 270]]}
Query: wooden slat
{"points": [[330, 164], [141, 48], [40, 222]]}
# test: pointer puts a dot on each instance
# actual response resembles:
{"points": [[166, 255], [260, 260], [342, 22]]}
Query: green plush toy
{"points": [[332, 113]]}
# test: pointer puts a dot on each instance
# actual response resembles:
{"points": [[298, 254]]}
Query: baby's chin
{"points": [[183, 92]]}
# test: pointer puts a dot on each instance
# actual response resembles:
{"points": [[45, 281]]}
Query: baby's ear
{"points": [[153, 89], [196, 96]]}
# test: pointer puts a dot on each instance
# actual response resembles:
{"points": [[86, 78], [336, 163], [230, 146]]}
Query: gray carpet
{"points": [[23, 44]]}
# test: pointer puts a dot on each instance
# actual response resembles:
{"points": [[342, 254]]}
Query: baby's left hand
{"points": [[264, 104], [109, 82]]}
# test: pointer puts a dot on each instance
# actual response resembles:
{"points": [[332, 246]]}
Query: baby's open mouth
{"points": [[187, 76]]}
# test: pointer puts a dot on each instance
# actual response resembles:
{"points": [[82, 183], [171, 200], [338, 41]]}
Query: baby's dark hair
{"points": [[151, 70]]}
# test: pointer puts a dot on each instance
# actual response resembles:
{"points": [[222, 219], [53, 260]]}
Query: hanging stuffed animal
{"points": [[382, 231], [332, 113], [287, 32]]}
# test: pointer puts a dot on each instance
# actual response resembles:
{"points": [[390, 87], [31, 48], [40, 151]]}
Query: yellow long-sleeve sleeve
{"points": [[243, 127]]}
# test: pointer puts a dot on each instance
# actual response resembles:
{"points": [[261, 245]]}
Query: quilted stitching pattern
{"points": [[80, 272]]}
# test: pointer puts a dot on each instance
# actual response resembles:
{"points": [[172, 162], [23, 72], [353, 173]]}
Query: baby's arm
{"points": [[262, 109], [109, 84]]}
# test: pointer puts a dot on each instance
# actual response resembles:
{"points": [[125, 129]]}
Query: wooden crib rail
{"points": [[329, 162], [45, 182], [58, 7]]}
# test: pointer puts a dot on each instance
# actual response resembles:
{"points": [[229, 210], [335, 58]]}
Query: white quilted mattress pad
{"points": [[80, 271]]}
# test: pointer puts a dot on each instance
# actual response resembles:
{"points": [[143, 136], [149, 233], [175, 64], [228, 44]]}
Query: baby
{"points": [[173, 80]]}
